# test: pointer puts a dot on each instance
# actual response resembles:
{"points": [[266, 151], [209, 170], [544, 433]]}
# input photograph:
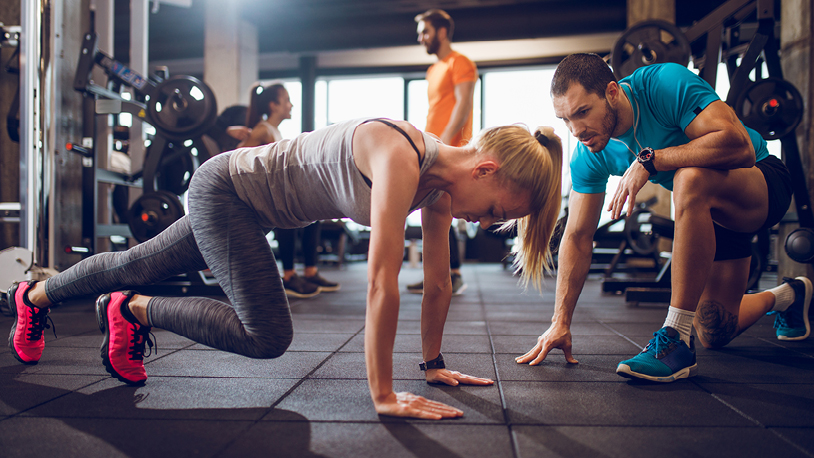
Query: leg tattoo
{"points": [[715, 325]]}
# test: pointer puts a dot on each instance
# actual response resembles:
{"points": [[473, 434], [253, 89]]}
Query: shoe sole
{"points": [[806, 306], [329, 289], [460, 290], [12, 305], [625, 371], [292, 293], [101, 319]]}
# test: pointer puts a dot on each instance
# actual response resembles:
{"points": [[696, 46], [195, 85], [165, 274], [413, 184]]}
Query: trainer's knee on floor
{"points": [[714, 325]]}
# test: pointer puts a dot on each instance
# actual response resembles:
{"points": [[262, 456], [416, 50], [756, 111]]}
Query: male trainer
{"points": [[665, 124]]}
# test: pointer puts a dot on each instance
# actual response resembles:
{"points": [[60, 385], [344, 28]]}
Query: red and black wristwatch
{"points": [[645, 157]]}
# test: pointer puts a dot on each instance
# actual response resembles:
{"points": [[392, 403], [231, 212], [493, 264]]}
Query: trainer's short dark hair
{"points": [[589, 70], [439, 19]]}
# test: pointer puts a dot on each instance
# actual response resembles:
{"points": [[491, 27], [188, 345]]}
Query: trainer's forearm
{"points": [[574, 262]]}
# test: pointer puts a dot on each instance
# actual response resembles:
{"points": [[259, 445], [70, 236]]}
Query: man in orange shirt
{"points": [[451, 89]]}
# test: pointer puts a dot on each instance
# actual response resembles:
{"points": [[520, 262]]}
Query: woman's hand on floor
{"points": [[410, 405], [454, 378]]}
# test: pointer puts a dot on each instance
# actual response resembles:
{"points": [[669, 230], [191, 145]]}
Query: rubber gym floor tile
{"points": [[319, 342], [802, 438], [191, 363], [529, 328], [591, 368], [623, 403], [351, 401], [21, 392], [405, 366], [329, 308], [476, 328], [582, 345], [327, 326], [77, 437], [465, 313], [170, 398], [510, 298], [748, 346], [610, 315], [398, 439], [303, 342], [411, 343], [57, 361], [756, 368], [772, 405], [634, 329], [647, 442]]}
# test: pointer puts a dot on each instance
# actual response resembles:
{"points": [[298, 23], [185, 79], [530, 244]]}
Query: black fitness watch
{"points": [[437, 363], [645, 157]]}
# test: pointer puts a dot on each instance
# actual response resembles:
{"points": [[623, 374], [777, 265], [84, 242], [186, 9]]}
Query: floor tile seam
{"points": [[143, 418], [793, 350], [288, 392], [790, 442], [155, 357], [17, 414], [728, 405], [395, 420], [606, 326], [503, 404], [644, 426]]}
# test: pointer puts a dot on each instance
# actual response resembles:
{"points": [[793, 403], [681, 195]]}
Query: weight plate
{"points": [[152, 213], [773, 107], [800, 245], [183, 107], [179, 160], [647, 43]]}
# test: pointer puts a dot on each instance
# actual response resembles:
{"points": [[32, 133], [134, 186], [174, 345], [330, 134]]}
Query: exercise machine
{"points": [[182, 109]]}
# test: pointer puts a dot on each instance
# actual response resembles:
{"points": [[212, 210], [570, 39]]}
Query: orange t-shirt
{"points": [[442, 77]]}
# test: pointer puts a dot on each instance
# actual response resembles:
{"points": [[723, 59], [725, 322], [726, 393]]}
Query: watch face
{"points": [[645, 155]]}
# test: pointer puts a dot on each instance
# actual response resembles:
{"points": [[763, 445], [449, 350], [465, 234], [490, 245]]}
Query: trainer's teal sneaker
{"points": [[793, 323], [666, 358]]}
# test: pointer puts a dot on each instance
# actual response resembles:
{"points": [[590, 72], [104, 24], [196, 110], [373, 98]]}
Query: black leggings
{"points": [[220, 232], [287, 243]]}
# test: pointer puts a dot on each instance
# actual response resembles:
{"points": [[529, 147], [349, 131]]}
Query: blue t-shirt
{"points": [[665, 98]]}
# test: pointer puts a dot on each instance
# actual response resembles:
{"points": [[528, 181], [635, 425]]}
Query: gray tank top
{"points": [[312, 177]]}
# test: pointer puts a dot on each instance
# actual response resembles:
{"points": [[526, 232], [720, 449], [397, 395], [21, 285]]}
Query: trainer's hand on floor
{"points": [[455, 378], [555, 337], [409, 405]]}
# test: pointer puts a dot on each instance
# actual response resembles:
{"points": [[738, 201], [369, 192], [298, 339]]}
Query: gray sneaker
{"points": [[298, 287], [416, 288], [325, 286], [458, 285]]}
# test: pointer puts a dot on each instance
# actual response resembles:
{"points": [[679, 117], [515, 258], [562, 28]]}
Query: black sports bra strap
{"points": [[402, 132]]}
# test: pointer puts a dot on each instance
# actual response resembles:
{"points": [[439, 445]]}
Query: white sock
{"points": [[783, 297], [681, 321]]}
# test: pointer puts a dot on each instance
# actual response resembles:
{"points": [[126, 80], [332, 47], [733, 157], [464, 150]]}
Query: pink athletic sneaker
{"points": [[125, 339], [26, 340]]}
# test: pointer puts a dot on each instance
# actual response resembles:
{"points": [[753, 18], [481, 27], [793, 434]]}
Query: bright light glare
{"points": [[196, 93], [363, 97]]}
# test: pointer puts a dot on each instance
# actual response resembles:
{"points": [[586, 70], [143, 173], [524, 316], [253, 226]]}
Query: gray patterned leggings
{"points": [[220, 232]]}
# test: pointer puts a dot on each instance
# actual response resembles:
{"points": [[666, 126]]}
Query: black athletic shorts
{"points": [[737, 245]]}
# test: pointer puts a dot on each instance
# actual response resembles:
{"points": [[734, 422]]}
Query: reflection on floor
{"points": [[753, 399]]}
